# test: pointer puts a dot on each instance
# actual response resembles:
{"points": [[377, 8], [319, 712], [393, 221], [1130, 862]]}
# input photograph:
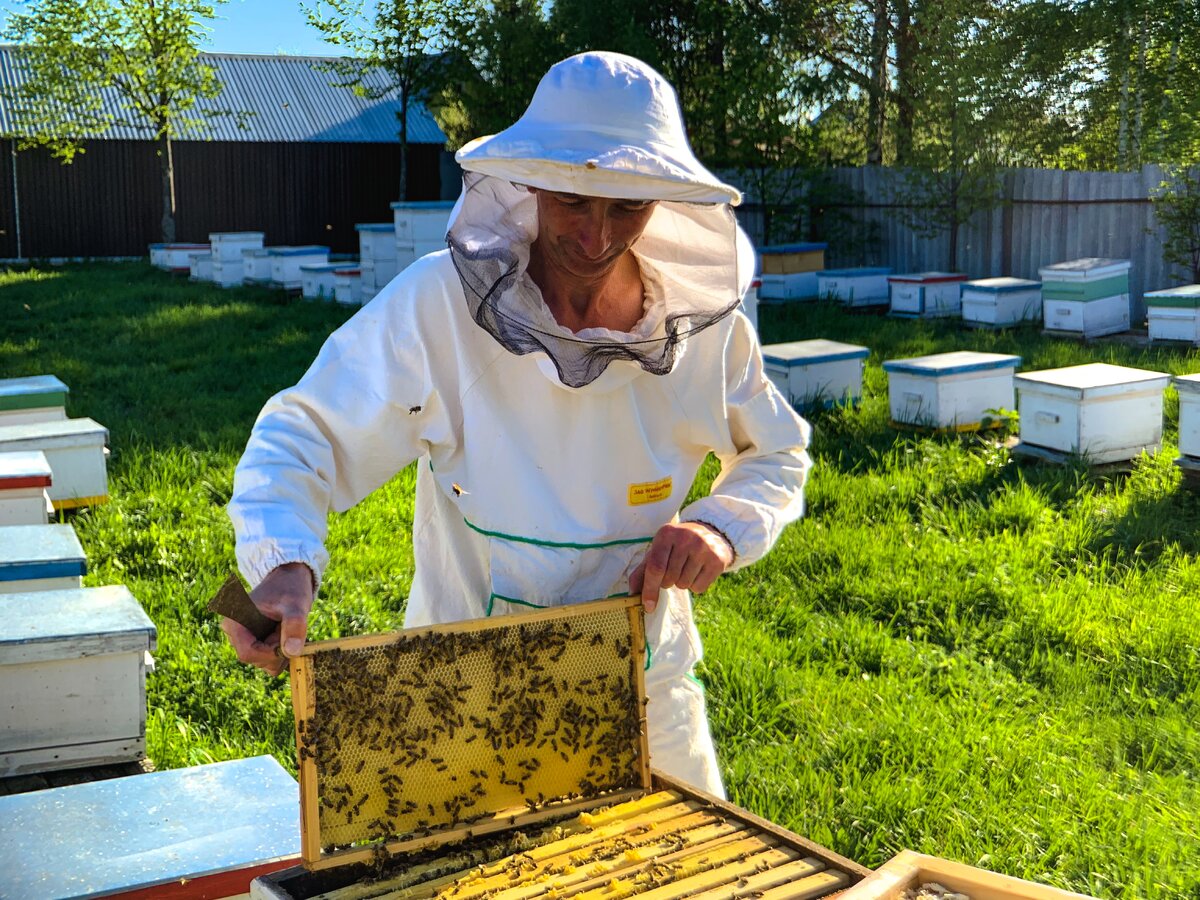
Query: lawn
{"points": [[958, 652]]}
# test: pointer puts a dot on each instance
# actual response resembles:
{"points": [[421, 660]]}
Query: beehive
{"points": [[1174, 314], [256, 266], [286, 263], [34, 398], [200, 266], [790, 259], [184, 834], [24, 477], [72, 679], [376, 240], [509, 755], [794, 286], [1089, 296], [926, 295], [816, 372], [317, 281], [76, 453], [228, 272], [347, 286], [908, 871], [961, 390], [40, 558], [177, 257], [1001, 302], [854, 287], [1104, 412], [228, 246], [1188, 387], [376, 273]]}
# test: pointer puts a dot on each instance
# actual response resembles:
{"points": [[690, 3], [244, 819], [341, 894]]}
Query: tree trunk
{"points": [[876, 108], [167, 169], [906, 80], [402, 115], [1123, 104]]}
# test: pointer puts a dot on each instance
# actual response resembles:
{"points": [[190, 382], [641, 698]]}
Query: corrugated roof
{"points": [[290, 98]]}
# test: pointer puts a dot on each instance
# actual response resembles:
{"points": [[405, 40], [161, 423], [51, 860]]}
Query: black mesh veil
{"points": [[688, 258]]}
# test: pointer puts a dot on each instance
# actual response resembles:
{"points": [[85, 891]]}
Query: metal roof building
{"points": [[283, 149]]}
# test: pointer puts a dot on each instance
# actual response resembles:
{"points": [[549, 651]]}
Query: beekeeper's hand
{"points": [[285, 595], [688, 555]]}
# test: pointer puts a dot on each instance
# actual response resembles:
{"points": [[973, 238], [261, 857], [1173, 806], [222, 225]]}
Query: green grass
{"points": [[990, 660]]}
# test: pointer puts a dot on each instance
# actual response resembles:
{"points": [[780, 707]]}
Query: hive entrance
{"points": [[424, 736]]}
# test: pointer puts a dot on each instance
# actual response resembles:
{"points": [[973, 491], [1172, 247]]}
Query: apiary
{"points": [[927, 295], [256, 266], [904, 875], [854, 287], [40, 558], [35, 398], [286, 263], [1174, 314], [1188, 387], [24, 477], [76, 453], [1104, 412], [72, 679], [228, 246], [184, 834], [347, 286], [1001, 302], [1086, 296], [790, 259], [796, 286], [507, 759], [317, 281], [201, 266], [961, 390], [816, 372], [177, 257]]}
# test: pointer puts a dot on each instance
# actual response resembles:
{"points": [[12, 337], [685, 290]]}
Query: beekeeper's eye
{"points": [[632, 206]]}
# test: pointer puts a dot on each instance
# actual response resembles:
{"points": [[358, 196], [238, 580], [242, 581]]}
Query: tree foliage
{"points": [[93, 65], [1177, 207]]}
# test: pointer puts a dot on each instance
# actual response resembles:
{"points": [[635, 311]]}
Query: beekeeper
{"points": [[560, 373]]}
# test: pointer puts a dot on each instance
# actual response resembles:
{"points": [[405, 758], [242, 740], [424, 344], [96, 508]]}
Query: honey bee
{"points": [[458, 489]]}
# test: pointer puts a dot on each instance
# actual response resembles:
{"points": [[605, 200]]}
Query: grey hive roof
{"points": [[291, 98]]}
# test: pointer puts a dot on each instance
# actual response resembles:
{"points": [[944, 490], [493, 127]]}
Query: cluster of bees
{"points": [[439, 730]]}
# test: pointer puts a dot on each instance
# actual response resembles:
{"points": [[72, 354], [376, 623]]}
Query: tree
{"points": [[1177, 207], [399, 37], [93, 65]]}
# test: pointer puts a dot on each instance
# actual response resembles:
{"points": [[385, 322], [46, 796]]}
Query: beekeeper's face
{"points": [[587, 235]]}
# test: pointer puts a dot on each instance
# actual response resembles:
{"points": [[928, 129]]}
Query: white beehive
{"points": [[201, 266], [1188, 387], [794, 286], [854, 287], [229, 245], [421, 223], [1174, 314], [1001, 302], [960, 390], [376, 240], [286, 263], [749, 304], [72, 679], [347, 286], [40, 558], [1104, 412], [816, 372], [1086, 296], [158, 256], [228, 272], [184, 834], [256, 266], [76, 453], [927, 295], [24, 478], [317, 281], [376, 273], [177, 257], [36, 398]]}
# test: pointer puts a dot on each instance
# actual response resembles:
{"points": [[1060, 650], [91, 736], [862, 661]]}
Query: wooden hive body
{"points": [[1001, 301], [1174, 314], [76, 453], [927, 295], [286, 263], [816, 372], [908, 870], [854, 287], [25, 476], [953, 390]]}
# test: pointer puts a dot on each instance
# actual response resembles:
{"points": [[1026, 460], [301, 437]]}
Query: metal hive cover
{"points": [[429, 735]]}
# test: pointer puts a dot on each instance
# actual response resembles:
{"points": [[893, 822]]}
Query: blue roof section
{"points": [[291, 99]]}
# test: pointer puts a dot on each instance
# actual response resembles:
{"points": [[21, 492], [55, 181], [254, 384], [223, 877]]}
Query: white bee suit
{"points": [[531, 493]]}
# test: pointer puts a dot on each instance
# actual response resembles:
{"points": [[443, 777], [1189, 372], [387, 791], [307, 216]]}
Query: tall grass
{"points": [[987, 659]]}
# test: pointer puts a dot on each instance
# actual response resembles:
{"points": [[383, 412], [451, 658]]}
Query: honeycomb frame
{"points": [[424, 736]]}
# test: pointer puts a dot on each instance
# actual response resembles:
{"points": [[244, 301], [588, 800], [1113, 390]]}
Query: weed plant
{"points": [[956, 651]]}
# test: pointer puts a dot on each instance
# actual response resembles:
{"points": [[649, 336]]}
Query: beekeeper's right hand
{"points": [[285, 595]]}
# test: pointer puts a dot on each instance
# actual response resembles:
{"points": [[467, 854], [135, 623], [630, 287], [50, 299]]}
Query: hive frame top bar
{"points": [[330, 837]]}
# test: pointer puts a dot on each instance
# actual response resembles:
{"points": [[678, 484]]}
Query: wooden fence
{"points": [[1044, 217]]}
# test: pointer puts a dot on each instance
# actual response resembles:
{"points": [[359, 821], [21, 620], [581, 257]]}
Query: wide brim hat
{"points": [[600, 125]]}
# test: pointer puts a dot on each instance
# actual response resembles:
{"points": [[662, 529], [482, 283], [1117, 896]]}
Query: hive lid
{"points": [[383, 227], [429, 735], [423, 204], [1184, 297], [32, 392], [803, 247], [953, 363], [1084, 269], [186, 246], [24, 469], [866, 272], [219, 236], [323, 267], [45, 625], [129, 836], [1002, 285], [1092, 380], [57, 434], [927, 278], [40, 551], [813, 351], [310, 250], [1187, 384]]}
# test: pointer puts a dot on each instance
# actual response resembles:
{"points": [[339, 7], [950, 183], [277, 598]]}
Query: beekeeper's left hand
{"points": [[687, 555]]}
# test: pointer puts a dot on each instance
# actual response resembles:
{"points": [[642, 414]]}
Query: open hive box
{"points": [[904, 875], [507, 759]]}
